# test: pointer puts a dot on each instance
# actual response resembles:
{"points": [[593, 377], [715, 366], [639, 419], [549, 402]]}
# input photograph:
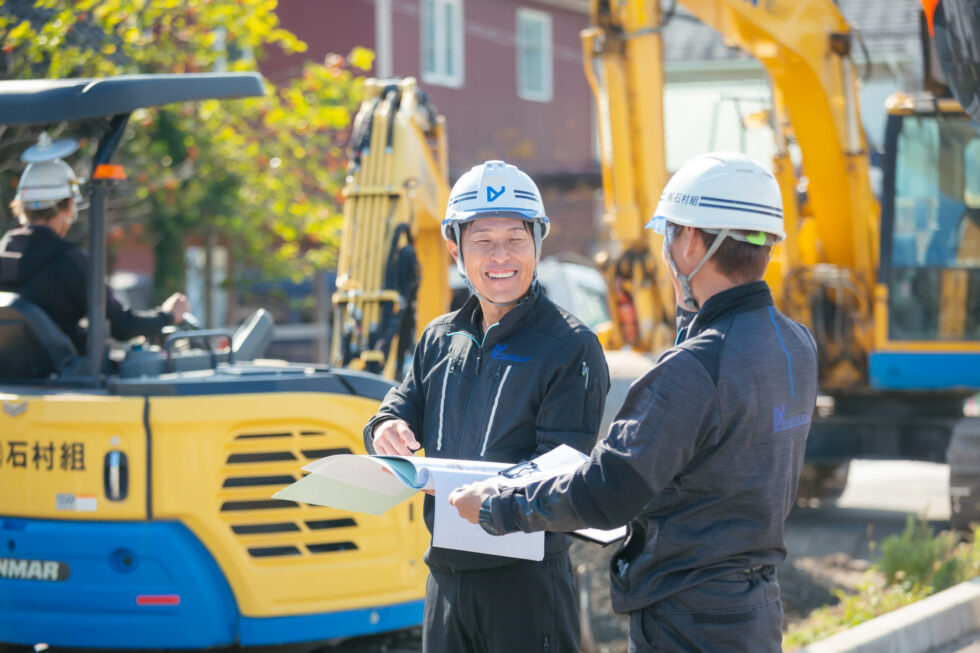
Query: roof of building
{"points": [[890, 28]]}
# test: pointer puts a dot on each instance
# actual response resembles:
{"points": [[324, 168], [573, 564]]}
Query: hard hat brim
{"points": [[496, 212], [463, 217], [658, 223], [773, 228], [49, 150]]}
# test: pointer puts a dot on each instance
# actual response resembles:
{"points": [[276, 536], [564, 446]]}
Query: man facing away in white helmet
{"points": [[703, 459], [40, 265], [505, 378]]}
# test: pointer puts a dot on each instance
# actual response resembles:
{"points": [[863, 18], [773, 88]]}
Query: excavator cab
{"points": [[32, 348], [930, 237]]}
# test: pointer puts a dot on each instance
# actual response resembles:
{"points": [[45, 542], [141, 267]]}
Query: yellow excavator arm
{"points": [[830, 250], [623, 54], [394, 200]]}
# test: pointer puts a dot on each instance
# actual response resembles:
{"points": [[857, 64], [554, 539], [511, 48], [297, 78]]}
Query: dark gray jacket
{"points": [[49, 271], [703, 459], [536, 379]]}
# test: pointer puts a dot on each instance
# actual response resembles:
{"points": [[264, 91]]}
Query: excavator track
{"points": [[963, 455]]}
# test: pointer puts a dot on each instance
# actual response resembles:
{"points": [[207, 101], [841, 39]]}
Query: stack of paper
{"points": [[374, 484]]}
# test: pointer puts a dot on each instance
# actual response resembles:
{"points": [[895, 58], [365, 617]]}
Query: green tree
{"points": [[263, 175]]}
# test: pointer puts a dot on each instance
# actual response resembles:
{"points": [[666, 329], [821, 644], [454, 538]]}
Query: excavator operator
{"points": [[39, 264]]}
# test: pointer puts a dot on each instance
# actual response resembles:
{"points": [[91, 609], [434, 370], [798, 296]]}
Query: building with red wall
{"points": [[507, 74]]}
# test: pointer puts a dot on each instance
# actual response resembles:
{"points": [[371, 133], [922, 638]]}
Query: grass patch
{"points": [[912, 566]]}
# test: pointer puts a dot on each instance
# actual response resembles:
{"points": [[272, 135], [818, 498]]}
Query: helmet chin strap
{"points": [[469, 284], [690, 303]]}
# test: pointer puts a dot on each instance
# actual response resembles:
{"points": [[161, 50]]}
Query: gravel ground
{"points": [[592, 565]]}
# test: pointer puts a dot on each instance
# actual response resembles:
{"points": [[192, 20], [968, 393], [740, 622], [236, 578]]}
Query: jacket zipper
{"points": [[585, 373], [442, 401], [466, 410], [466, 414], [493, 411]]}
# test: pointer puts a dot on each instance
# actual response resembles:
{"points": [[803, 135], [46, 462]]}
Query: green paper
{"points": [[323, 491]]}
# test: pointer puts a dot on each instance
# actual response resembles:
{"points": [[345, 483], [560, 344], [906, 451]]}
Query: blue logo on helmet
{"points": [[494, 194]]}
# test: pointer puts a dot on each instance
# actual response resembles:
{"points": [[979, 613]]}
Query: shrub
{"points": [[912, 566]]}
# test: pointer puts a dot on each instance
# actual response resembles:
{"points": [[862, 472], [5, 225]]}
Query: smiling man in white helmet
{"points": [[39, 264], [703, 459], [505, 378]]}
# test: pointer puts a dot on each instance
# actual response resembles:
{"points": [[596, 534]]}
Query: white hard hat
{"points": [[499, 189], [722, 190], [48, 150], [45, 183]]}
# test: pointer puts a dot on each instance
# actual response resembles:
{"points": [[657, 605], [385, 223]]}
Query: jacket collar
{"points": [[470, 316], [40, 231], [25, 250], [745, 297], [32, 231]]}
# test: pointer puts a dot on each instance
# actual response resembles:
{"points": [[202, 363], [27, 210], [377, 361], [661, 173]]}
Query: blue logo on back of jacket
{"points": [[781, 423], [499, 354]]}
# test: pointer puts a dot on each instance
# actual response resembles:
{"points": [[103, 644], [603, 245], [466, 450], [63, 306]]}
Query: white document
{"points": [[392, 474], [375, 484], [561, 460], [453, 532], [598, 536]]}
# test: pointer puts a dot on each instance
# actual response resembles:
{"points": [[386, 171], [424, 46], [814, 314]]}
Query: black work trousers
{"points": [[737, 613], [529, 606]]}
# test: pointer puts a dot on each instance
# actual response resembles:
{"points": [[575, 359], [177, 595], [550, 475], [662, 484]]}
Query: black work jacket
{"points": [[702, 460], [535, 380], [52, 273]]}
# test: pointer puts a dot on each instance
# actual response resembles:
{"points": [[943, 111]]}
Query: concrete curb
{"points": [[917, 628]]}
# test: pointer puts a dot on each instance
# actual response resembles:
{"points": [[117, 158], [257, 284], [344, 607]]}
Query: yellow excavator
{"points": [[891, 289], [135, 506], [393, 267]]}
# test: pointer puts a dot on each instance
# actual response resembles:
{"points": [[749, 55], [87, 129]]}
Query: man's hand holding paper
{"points": [[467, 499]]}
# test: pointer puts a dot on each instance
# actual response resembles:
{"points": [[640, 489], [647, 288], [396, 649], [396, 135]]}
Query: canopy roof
{"points": [[40, 101]]}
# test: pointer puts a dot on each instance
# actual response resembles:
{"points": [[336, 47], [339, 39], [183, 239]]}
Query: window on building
{"points": [[230, 53], [442, 42], [534, 55]]}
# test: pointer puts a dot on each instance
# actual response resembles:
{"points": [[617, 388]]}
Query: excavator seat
{"points": [[31, 345]]}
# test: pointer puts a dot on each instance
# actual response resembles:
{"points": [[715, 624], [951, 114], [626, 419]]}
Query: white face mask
{"points": [[684, 280]]}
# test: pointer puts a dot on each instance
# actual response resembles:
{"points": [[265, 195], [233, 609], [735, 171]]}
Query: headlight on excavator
{"points": [[115, 475]]}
